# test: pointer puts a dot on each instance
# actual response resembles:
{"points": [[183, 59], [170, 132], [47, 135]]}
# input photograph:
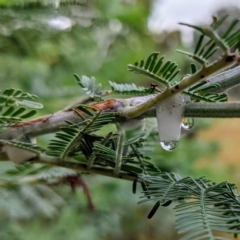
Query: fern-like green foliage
{"points": [[155, 68], [203, 206], [78, 137], [40, 172], [15, 104], [24, 201], [79, 141], [200, 93], [88, 86], [133, 157], [165, 72], [205, 49], [197, 92], [106, 156], [129, 89]]}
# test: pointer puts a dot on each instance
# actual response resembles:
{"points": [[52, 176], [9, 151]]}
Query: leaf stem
{"points": [[119, 151], [81, 167], [226, 61], [213, 110]]}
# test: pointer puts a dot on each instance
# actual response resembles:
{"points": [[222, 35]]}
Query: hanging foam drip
{"points": [[133, 123], [187, 123], [19, 155], [169, 117]]}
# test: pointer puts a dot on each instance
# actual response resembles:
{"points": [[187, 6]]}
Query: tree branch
{"points": [[53, 122], [213, 110], [226, 61], [224, 80], [82, 168]]}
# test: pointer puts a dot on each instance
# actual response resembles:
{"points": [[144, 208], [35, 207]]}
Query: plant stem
{"points": [[53, 123], [213, 110], [119, 151], [226, 61], [80, 167], [224, 80]]}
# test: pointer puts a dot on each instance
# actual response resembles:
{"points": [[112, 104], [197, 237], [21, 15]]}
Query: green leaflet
{"points": [[15, 104], [155, 68], [206, 48], [88, 86], [203, 206], [78, 137], [130, 89], [40, 171], [207, 45], [203, 94]]}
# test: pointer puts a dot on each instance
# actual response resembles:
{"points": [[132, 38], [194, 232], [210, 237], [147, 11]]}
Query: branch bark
{"points": [[53, 122], [226, 61]]}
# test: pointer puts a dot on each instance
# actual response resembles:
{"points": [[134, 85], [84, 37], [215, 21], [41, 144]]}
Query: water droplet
{"points": [[169, 146], [187, 123]]}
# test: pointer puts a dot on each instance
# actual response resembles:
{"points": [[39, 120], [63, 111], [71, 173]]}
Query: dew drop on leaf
{"points": [[187, 123], [169, 146]]}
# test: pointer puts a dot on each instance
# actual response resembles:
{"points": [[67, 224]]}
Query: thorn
{"points": [[153, 87], [77, 181], [214, 18]]}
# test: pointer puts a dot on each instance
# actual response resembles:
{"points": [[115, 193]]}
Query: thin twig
{"points": [[226, 61]]}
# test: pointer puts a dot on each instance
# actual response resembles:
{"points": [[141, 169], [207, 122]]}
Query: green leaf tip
{"points": [[89, 87], [155, 68]]}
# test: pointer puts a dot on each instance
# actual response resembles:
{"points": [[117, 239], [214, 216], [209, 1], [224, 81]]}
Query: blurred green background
{"points": [[42, 44]]}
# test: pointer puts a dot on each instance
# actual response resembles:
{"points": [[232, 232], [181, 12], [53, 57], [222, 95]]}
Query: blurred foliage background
{"points": [[42, 43]]}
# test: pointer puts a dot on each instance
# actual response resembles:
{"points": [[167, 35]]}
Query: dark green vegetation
{"points": [[105, 38]]}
